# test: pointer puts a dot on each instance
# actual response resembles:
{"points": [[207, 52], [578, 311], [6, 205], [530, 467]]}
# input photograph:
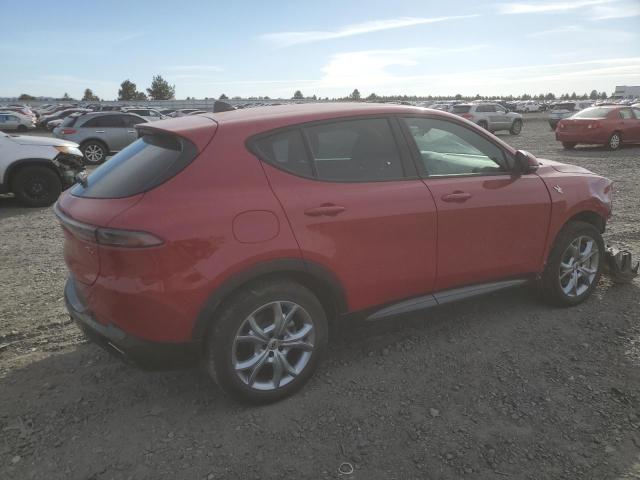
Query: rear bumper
{"points": [[577, 137], [142, 353]]}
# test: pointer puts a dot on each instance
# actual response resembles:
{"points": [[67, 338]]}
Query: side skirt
{"points": [[446, 296]]}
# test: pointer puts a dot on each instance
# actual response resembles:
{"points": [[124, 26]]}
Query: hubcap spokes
{"points": [[615, 141], [578, 266], [273, 345], [93, 153]]}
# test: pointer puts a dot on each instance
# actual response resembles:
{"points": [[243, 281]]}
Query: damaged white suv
{"points": [[37, 169]]}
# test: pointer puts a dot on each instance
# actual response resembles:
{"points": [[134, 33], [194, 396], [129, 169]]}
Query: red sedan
{"points": [[235, 237], [610, 126]]}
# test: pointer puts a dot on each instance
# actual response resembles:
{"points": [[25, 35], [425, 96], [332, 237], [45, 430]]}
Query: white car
{"points": [[37, 169], [16, 121], [150, 114]]}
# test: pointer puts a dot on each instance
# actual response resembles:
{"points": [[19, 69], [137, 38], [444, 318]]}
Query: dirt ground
{"points": [[498, 387]]}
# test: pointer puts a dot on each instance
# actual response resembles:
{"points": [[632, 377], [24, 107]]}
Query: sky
{"points": [[328, 48]]}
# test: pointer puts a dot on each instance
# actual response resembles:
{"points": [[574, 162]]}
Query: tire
{"points": [[94, 151], [615, 141], [565, 281], [261, 352], [516, 127], [22, 128], [568, 145], [36, 186], [483, 124]]}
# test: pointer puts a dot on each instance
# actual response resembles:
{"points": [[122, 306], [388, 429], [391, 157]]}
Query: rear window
{"points": [[594, 112], [140, 167], [564, 106], [461, 108]]}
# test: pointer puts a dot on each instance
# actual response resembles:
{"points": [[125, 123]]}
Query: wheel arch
{"points": [[18, 165], [315, 277], [588, 216]]}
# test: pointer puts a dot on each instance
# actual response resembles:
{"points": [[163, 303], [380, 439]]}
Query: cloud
{"points": [[285, 39], [554, 31], [195, 68], [620, 10], [549, 7]]}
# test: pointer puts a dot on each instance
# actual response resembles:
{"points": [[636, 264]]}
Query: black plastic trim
{"points": [[282, 266]]}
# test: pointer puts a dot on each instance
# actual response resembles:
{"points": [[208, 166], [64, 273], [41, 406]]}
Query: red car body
{"points": [[597, 125], [230, 217]]}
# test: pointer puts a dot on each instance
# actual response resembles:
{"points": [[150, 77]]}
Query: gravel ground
{"points": [[498, 387]]}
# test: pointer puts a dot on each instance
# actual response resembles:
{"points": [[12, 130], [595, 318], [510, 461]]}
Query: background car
{"points": [[15, 122], [183, 112], [561, 110], [37, 169], [490, 116], [150, 114], [610, 126], [100, 133]]}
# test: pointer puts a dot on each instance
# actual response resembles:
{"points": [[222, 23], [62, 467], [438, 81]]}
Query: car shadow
{"points": [[500, 373], [10, 207]]}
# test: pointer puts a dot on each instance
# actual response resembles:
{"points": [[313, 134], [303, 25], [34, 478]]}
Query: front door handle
{"points": [[456, 196], [326, 209]]}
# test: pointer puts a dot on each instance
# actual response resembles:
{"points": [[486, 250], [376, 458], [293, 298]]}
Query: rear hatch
{"points": [[86, 210]]}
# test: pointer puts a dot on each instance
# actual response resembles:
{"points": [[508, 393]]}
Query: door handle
{"points": [[99, 131], [131, 131], [327, 209], [456, 196]]}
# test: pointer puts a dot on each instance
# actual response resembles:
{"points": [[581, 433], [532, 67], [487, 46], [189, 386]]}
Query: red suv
{"points": [[235, 237]]}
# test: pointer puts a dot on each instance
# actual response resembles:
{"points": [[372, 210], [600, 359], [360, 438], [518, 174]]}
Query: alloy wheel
{"points": [[614, 142], [93, 153], [579, 266], [273, 345]]}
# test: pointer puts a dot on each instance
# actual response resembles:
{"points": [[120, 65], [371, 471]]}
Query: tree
{"points": [[458, 96], [355, 95], [89, 96], [603, 95], [298, 95], [223, 97], [574, 96], [550, 96], [373, 97], [160, 89], [66, 96], [593, 95], [26, 96], [128, 90], [141, 96]]}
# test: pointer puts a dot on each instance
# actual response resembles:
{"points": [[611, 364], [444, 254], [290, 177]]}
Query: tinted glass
{"points": [[486, 108], [636, 112], [461, 109], [287, 151], [594, 112], [105, 121], [131, 120], [143, 165], [70, 121], [450, 149], [355, 151], [626, 114]]}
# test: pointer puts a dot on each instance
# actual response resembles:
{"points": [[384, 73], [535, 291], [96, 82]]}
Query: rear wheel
{"points": [[516, 127], [267, 341], [615, 140], [94, 152], [36, 186], [568, 145], [574, 265]]}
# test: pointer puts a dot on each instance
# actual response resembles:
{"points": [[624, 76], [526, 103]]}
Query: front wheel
{"points": [[267, 341], [22, 128], [574, 265], [36, 186], [94, 152], [516, 127]]}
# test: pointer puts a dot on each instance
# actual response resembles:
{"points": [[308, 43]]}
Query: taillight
{"points": [[468, 116], [594, 125], [68, 131], [110, 237], [561, 125]]}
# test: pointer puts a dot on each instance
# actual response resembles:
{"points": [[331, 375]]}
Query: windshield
{"points": [[593, 112]]}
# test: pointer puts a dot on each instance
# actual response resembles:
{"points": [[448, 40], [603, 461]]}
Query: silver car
{"points": [[490, 116], [100, 133]]}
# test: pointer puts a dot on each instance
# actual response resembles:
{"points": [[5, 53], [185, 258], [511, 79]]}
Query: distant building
{"points": [[626, 91]]}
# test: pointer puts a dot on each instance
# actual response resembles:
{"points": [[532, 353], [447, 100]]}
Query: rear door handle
{"points": [[456, 196], [327, 209], [99, 131], [131, 131]]}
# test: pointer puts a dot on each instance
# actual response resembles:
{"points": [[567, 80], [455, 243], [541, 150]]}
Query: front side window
{"points": [[448, 149], [105, 121], [626, 114], [355, 151]]}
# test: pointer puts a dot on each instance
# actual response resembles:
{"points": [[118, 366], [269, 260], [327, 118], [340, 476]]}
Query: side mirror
{"points": [[525, 162]]}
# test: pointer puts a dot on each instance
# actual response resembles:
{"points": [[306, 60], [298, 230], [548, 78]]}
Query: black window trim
{"points": [[417, 159], [406, 162]]}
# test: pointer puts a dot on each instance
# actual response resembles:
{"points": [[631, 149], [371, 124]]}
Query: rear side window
{"points": [[595, 112], [287, 151], [355, 151], [70, 121], [461, 108], [105, 121], [143, 165], [626, 114]]}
